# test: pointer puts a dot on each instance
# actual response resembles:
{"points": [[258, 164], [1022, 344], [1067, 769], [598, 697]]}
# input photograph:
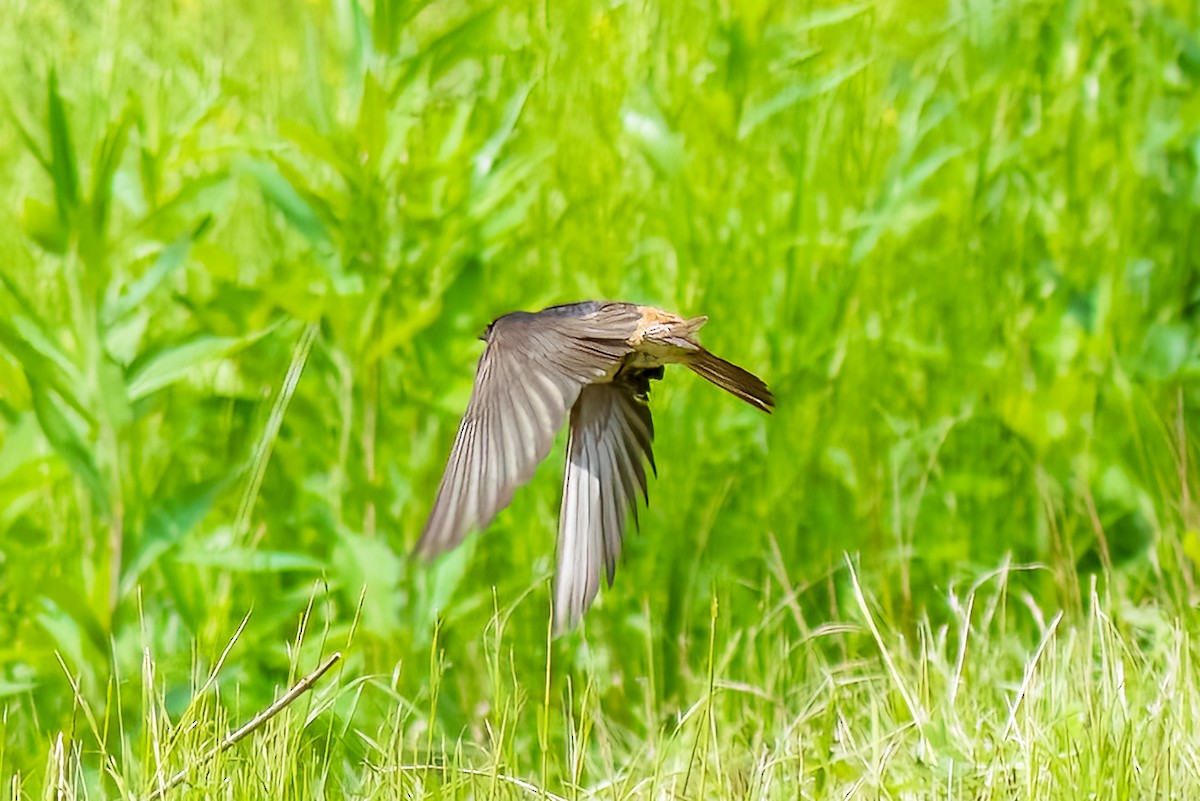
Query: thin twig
{"points": [[301, 687]]}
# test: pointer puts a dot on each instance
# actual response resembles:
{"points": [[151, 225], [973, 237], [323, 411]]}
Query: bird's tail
{"points": [[732, 379]]}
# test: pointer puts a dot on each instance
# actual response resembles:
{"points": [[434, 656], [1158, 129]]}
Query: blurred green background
{"points": [[248, 248]]}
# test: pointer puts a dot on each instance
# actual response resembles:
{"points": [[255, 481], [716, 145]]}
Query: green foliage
{"points": [[247, 255]]}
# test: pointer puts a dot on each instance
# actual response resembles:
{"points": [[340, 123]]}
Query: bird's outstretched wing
{"points": [[528, 378], [611, 435]]}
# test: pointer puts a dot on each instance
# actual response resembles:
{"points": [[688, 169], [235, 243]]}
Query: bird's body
{"points": [[594, 362]]}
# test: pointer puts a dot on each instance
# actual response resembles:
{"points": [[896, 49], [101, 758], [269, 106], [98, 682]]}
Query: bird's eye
{"points": [[486, 332]]}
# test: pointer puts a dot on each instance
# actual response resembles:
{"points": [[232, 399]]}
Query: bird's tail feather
{"points": [[732, 379]]}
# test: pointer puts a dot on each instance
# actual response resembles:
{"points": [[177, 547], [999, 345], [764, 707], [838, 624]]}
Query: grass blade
{"points": [[756, 115]]}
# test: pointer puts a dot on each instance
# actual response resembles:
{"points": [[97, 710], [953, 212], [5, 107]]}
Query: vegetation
{"points": [[247, 253]]}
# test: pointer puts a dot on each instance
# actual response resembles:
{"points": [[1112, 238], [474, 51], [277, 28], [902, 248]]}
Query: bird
{"points": [[591, 362]]}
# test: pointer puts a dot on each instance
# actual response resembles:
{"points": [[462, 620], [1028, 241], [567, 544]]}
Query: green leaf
{"points": [[371, 129], [28, 341], [8, 688], [756, 115], [371, 568], [18, 449], [35, 363], [434, 589], [825, 17], [29, 333], [926, 168], [172, 257], [661, 146], [464, 38], [456, 132], [174, 363], [487, 155], [390, 19], [281, 194], [64, 632], [496, 189], [209, 191], [72, 599], [360, 53], [166, 526], [114, 397], [106, 161], [25, 129], [64, 169], [318, 146], [66, 440]]}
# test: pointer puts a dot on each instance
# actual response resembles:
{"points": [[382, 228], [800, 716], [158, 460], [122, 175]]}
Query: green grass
{"points": [[246, 254], [1103, 706]]}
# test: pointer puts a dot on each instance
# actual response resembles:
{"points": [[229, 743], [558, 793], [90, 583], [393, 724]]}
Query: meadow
{"points": [[248, 250]]}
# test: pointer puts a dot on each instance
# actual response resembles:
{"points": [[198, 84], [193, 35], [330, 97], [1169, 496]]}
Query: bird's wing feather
{"points": [[611, 435], [528, 378]]}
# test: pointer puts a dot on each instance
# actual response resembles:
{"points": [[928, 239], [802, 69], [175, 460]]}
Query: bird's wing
{"points": [[528, 377], [611, 434]]}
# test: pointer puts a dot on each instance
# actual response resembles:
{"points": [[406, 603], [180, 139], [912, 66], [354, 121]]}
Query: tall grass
{"points": [[247, 254], [1102, 704]]}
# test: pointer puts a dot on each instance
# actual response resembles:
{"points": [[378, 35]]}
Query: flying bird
{"points": [[591, 361]]}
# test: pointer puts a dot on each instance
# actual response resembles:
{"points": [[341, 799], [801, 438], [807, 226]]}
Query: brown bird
{"points": [[594, 360]]}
